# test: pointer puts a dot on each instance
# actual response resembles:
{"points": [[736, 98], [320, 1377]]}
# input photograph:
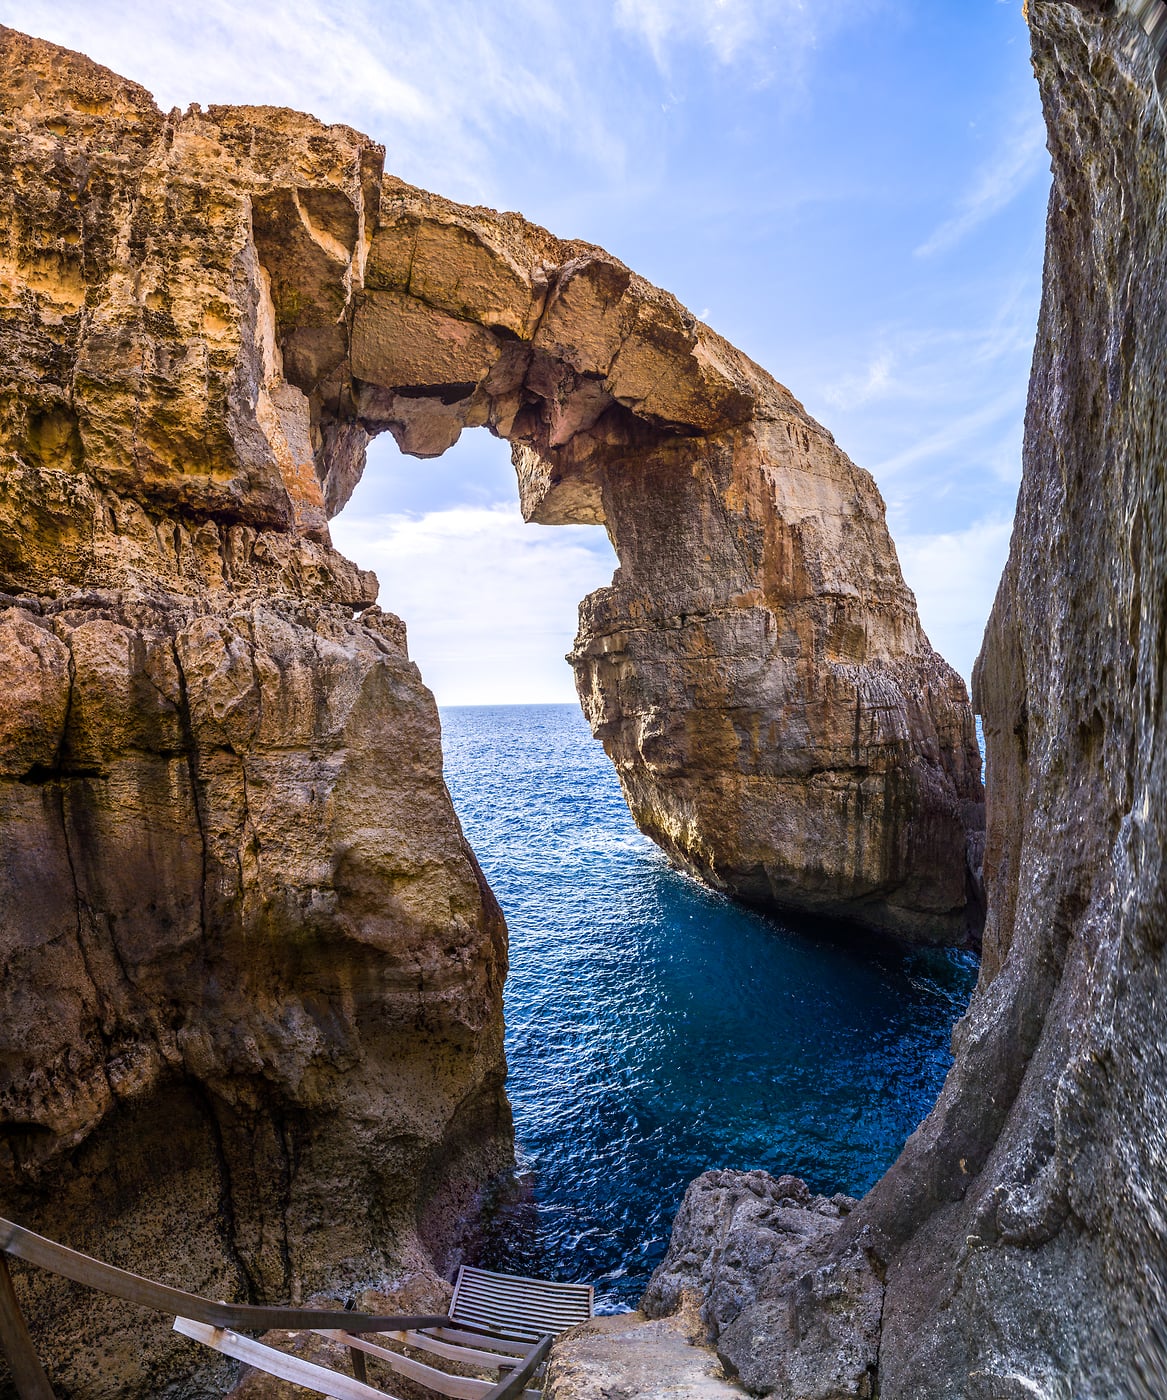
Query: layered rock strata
{"points": [[251, 1037], [252, 974], [1020, 1238]]}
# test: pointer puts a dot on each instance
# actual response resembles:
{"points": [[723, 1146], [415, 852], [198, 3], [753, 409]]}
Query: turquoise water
{"points": [[655, 1030]]}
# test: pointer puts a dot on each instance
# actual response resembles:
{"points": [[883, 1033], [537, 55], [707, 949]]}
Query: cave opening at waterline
{"points": [[655, 1029]]}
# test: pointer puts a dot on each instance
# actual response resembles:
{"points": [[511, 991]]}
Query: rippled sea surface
{"points": [[655, 1030]]}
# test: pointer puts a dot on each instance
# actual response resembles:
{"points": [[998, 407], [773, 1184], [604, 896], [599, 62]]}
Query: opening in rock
{"points": [[655, 1030], [489, 601]]}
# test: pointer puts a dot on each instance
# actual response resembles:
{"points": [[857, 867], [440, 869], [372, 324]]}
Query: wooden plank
{"points": [[457, 1387], [471, 1356], [482, 1336], [27, 1371], [511, 1387], [92, 1273], [278, 1363]]}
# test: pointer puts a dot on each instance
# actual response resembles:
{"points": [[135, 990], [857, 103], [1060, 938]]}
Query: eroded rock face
{"points": [[791, 1314], [756, 670], [252, 973], [251, 1038], [1021, 1233]]}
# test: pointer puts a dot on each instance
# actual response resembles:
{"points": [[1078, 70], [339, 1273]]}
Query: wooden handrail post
{"points": [[27, 1371], [512, 1385]]}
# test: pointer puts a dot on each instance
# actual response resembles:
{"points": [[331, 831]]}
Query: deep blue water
{"points": [[655, 1030]]}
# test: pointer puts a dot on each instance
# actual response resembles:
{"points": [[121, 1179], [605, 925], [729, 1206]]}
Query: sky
{"points": [[853, 193]]}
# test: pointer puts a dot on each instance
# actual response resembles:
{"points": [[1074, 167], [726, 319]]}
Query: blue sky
{"points": [[853, 193]]}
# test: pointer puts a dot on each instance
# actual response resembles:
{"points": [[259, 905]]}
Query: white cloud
{"points": [[956, 432], [440, 85], [724, 25], [1020, 158], [954, 577], [736, 30], [489, 601], [874, 382]]}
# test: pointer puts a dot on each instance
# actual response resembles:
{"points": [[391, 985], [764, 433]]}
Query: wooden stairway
{"points": [[497, 1322]]}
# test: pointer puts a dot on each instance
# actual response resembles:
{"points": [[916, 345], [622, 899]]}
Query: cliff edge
{"points": [[251, 1038], [1018, 1247]]}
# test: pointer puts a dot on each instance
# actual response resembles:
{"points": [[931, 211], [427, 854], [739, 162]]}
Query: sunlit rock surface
{"points": [[1021, 1234], [251, 1036]]}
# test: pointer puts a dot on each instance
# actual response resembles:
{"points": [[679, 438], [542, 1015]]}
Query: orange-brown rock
{"points": [[251, 1038], [252, 975]]}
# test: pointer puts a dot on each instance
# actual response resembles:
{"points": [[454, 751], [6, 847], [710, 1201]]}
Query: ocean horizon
{"points": [[655, 1029]]}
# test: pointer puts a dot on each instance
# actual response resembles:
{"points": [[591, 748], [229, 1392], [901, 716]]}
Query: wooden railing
{"points": [[33, 1384]]}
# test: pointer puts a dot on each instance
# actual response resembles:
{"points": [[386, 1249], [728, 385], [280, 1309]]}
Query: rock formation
{"points": [[756, 670], [627, 1355], [1021, 1235], [792, 1312], [251, 1037], [252, 974]]}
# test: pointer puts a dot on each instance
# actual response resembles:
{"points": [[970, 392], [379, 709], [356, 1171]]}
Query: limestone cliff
{"points": [[1021, 1235], [251, 1037], [252, 975]]}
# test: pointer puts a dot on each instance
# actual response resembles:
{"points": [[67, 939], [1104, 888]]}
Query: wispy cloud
{"points": [[918, 364], [1019, 159], [735, 30], [443, 86], [954, 576], [490, 602], [954, 434], [726, 26]]}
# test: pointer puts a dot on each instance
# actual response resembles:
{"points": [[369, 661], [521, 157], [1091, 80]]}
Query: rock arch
{"points": [[756, 671], [253, 975]]}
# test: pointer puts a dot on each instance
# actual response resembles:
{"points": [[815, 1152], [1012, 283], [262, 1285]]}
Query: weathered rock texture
{"points": [[790, 1313], [611, 1358], [252, 974], [756, 670], [251, 1036], [1021, 1235]]}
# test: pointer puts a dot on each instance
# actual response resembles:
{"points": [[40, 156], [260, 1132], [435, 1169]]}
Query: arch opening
{"points": [[490, 602], [756, 670]]}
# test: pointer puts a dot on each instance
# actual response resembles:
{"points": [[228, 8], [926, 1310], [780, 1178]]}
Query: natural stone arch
{"points": [[757, 670], [253, 973]]}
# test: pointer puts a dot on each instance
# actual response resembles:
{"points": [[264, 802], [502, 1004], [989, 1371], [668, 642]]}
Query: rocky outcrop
{"points": [[252, 973], [251, 1037], [626, 1355], [756, 670], [1020, 1236], [790, 1313]]}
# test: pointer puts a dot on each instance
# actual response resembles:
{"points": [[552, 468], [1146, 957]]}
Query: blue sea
{"points": [[656, 1030]]}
